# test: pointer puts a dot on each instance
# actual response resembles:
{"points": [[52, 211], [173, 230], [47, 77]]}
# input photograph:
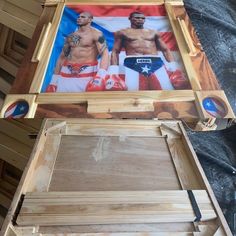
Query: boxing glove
{"points": [[176, 76], [52, 87], [178, 80], [114, 82], [98, 82]]}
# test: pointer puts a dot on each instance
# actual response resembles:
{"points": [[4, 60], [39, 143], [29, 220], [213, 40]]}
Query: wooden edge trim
{"points": [[7, 224]]}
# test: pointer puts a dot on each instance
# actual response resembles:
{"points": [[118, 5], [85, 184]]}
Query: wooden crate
{"points": [[111, 177], [173, 104]]}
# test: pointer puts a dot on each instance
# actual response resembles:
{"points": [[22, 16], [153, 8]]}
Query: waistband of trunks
{"points": [[78, 76], [67, 63], [138, 56]]}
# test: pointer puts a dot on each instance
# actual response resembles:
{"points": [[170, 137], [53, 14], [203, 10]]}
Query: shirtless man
{"points": [[143, 69], [76, 68]]}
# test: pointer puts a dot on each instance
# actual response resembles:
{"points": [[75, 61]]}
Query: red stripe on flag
{"points": [[169, 40], [109, 11]]}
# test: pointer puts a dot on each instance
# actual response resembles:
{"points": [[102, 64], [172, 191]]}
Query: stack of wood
{"points": [[18, 19], [17, 138]]}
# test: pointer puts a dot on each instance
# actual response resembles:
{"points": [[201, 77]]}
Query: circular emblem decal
{"points": [[214, 107], [18, 109]]}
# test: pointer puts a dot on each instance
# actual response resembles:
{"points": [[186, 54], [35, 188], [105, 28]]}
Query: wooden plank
{"points": [[5, 201], [4, 86], [8, 66], [14, 144], [16, 131], [160, 96], [12, 157], [129, 234], [33, 7], [3, 38], [121, 228], [116, 207], [43, 170], [17, 24], [187, 176], [117, 105], [7, 189], [113, 163]]}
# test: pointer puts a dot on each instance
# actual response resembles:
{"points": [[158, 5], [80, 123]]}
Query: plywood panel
{"points": [[113, 163]]}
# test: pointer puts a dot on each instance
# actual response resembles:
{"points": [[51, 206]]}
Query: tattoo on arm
{"points": [[101, 39], [66, 50], [103, 43]]}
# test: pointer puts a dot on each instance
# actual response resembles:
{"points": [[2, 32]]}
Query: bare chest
{"points": [[81, 40], [139, 35]]}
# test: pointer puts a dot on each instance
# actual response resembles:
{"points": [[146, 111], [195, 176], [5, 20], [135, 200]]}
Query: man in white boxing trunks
{"points": [[144, 70], [77, 67]]}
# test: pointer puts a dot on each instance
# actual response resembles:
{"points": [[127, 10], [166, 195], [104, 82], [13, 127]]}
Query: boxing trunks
{"points": [[75, 77], [146, 73]]}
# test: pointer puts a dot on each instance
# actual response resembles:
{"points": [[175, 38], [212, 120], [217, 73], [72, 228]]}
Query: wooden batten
{"points": [[180, 38], [44, 50]]}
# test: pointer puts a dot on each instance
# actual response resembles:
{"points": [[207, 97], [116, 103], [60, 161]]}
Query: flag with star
{"points": [[110, 19], [18, 109]]}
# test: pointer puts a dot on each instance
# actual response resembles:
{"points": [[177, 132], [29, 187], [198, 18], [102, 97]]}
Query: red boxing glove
{"points": [[52, 88], [178, 80], [177, 77], [95, 84], [115, 83]]}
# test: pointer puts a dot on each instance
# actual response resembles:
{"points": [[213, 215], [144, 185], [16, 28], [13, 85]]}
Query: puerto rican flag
{"points": [[110, 19], [18, 109]]}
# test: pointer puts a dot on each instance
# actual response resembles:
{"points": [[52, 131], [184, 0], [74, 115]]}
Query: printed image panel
{"points": [[114, 48]]}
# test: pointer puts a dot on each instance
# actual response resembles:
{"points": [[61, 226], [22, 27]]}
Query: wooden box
{"points": [[110, 177], [188, 103]]}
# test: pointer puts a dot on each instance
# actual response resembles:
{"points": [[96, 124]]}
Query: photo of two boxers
{"points": [[114, 48]]}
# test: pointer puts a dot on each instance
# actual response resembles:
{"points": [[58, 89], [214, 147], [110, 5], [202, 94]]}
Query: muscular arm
{"points": [[116, 49], [163, 48], [103, 51], [64, 54]]}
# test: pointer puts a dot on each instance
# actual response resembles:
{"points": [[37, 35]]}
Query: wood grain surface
{"points": [[113, 163]]}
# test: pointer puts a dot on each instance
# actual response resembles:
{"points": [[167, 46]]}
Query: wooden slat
{"points": [[4, 86], [115, 228], [8, 66], [15, 145], [129, 234], [32, 6], [5, 201], [158, 96], [12, 157], [68, 208], [17, 24], [16, 131]]}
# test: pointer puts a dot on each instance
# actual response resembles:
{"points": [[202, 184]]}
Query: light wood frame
{"points": [[188, 171], [200, 74]]}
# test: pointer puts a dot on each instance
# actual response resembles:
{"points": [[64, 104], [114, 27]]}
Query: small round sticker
{"points": [[214, 107], [18, 109]]}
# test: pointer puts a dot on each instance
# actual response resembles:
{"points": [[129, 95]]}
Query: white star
{"points": [[208, 104], [145, 69], [22, 108]]}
